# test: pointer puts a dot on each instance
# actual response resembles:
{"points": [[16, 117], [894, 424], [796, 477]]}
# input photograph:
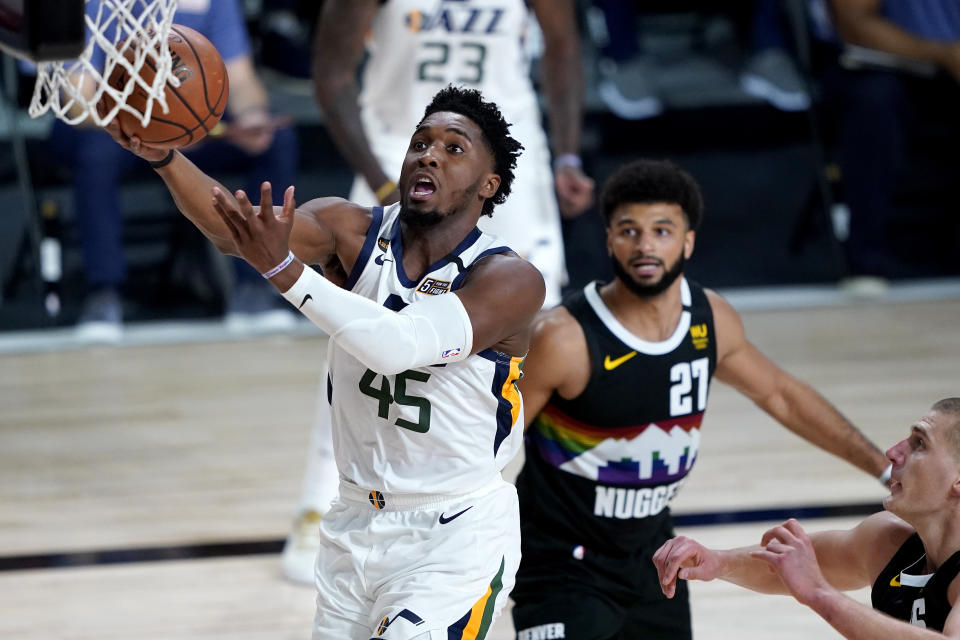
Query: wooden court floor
{"points": [[113, 449]]}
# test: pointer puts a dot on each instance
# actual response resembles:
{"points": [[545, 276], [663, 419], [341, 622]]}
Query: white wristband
{"points": [[885, 476], [280, 267], [565, 160]]}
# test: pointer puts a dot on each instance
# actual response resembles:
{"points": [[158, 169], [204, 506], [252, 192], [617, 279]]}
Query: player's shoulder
{"points": [[882, 534], [888, 526], [719, 304], [508, 271], [335, 212], [725, 317], [558, 328]]}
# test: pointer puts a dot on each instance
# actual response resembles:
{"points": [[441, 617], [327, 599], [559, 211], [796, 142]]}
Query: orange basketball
{"points": [[195, 106]]}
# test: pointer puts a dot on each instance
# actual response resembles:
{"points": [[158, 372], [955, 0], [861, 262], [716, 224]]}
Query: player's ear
{"points": [[689, 240], [955, 487], [489, 187]]}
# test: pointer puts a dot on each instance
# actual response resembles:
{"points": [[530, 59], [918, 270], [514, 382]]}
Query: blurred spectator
{"points": [[254, 142], [628, 86], [770, 73], [898, 83]]}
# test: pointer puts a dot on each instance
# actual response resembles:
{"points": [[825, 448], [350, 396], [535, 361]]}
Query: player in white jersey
{"points": [[425, 346], [414, 48]]}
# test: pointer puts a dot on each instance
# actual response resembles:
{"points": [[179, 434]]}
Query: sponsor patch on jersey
{"points": [[433, 287], [698, 333], [449, 353], [383, 243]]}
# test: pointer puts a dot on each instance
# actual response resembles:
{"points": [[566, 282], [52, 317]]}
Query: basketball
{"points": [[196, 106]]}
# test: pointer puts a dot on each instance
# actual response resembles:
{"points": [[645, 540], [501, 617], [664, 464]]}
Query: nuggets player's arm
{"points": [[501, 294], [338, 51], [863, 552], [794, 404], [853, 558], [558, 361], [847, 559]]}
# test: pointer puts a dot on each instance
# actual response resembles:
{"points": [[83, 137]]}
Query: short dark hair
{"points": [[951, 406], [496, 134], [649, 181]]}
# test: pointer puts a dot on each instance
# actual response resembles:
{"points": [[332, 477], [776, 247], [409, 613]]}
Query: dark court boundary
{"points": [[260, 547]]}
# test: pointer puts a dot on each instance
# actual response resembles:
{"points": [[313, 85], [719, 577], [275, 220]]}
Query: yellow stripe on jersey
{"points": [[481, 614], [509, 392]]}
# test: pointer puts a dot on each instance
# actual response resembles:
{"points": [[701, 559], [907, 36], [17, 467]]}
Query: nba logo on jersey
{"points": [[449, 353]]}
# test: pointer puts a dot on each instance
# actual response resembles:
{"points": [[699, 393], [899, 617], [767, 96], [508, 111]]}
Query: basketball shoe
{"points": [[300, 550]]}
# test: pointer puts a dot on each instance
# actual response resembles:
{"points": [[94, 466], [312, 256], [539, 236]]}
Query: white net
{"points": [[129, 34]]}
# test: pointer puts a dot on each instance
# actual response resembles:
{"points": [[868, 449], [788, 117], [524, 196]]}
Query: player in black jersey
{"points": [[615, 388], [910, 553]]}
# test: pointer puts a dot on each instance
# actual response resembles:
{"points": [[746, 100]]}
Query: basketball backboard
{"points": [[42, 30]]}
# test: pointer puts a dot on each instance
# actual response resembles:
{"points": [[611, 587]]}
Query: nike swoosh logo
{"points": [[610, 365], [456, 515], [305, 298], [380, 260]]}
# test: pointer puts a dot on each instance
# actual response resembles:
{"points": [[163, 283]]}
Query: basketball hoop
{"points": [[128, 34]]}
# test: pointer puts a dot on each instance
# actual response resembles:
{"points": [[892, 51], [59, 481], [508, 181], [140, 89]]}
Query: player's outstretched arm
{"points": [[323, 229], [861, 554], [189, 186], [683, 558], [849, 559], [338, 51], [794, 404], [493, 308]]}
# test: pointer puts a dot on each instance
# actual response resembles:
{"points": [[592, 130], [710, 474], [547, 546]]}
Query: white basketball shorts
{"points": [[400, 567]]}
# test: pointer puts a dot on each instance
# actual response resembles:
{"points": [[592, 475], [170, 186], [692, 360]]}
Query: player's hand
{"points": [[262, 237], [685, 559], [574, 191], [131, 143], [789, 552]]}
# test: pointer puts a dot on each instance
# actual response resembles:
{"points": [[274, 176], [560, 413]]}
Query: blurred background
{"points": [[820, 164]]}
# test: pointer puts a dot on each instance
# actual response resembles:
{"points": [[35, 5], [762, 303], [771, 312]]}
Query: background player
{"points": [[426, 347], [910, 554], [616, 386], [410, 49]]}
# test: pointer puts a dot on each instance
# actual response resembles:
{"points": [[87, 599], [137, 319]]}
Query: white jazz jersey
{"points": [[442, 429], [418, 47]]}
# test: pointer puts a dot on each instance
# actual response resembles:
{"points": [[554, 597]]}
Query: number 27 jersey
{"points": [[447, 428]]}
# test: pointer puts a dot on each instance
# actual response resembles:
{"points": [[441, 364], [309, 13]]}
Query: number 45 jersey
{"points": [[448, 428], [601, 468]]}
